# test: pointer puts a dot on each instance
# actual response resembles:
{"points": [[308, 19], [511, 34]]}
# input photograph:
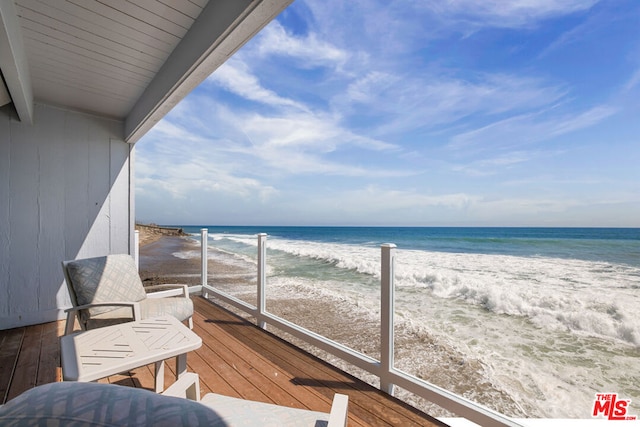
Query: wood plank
{"points": [[26, 371], [123, 379], [211, 379], [201, 3], [240, 386], [121, 176], [24, 214], [51, 239], [254, 372], [5, 207], [109, 102], [143, 377], [49, 370], [309, 395], [76, 222], [161, 30], [98, 78], [10, 344], [367, 402], [271, 380], [80, 54], [84, 39], [187, 7], [88, 21], [263, 374], [166, 12], [328, 388]]}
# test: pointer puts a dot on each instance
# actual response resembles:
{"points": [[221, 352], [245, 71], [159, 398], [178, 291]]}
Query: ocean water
{"points": [[547, 317]]}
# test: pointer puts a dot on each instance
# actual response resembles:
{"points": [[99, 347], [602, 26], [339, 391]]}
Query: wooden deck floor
{"points": [[236, 359]]}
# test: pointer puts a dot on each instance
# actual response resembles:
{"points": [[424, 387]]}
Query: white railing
{"points": [[384, 368]]}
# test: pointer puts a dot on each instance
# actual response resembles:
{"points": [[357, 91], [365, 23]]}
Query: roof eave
{"points": [[220, 30]]}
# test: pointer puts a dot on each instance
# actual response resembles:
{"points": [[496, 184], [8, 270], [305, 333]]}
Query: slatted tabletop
{"points": [[99, 353]]}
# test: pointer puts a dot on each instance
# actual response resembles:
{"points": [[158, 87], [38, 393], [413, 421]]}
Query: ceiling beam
{"points": [[221, 29], [13, 62]]}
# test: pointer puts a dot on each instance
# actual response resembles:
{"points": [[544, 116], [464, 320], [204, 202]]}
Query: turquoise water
{"points": [[549, 315], [617, 245]]}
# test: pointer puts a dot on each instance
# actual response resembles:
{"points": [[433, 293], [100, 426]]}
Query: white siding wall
{"points": [[65, 193]]}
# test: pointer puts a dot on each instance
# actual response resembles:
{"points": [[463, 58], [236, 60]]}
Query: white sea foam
{"points": [[584, 297], [186, 254]]}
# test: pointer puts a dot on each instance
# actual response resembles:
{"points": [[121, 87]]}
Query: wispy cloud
{"points": [[509, 14], [309, 50], [299, 143], [392, 206], [284, 144], [496, 164], [529, 128], [316, 132], [633, 81], [236, 77], [429, 101], [179, 174], [395, 28], [403, 199]]}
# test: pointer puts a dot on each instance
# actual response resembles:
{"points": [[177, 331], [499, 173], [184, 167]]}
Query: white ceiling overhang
{"points": [[130, 60]]}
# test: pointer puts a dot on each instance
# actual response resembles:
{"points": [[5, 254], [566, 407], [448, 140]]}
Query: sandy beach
{"points": [[162, 259]]}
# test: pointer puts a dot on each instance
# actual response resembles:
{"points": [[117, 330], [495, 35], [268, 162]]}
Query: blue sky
{"points": [[422, 113]]}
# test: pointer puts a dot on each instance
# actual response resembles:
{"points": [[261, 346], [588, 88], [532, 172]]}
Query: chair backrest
{"points": [[111, 278]]}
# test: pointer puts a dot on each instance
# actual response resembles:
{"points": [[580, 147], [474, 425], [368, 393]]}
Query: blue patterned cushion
{"points": [[92, 404], [105, 279]]}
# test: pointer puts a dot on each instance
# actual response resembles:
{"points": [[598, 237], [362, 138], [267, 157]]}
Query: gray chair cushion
{"points": [[178, 307], [92, 404], [105, 279]]}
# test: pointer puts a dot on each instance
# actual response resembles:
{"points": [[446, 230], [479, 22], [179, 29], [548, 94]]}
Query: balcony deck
{"points": [[236, 359]]}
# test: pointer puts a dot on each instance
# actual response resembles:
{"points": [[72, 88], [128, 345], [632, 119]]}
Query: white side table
{"points": [[99, 353]]}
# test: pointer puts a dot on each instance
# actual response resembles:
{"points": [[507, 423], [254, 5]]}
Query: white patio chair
{"points": [[236, 412], [107, 290]]}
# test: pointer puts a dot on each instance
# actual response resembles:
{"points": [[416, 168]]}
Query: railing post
{"points": [[136, 248], [386, 316], [262, 278], [204, 243]]}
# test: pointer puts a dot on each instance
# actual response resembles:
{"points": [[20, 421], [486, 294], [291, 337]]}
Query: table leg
{"points": [[181, 365], [159, 380]]}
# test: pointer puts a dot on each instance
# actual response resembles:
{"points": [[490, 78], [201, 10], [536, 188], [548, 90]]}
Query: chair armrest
{"points": [[135, 306], [187, 386], [135, 310], [168, 290], [339, 411]]}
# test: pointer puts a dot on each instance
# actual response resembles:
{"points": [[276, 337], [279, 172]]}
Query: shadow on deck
{"points": [[236, 359]]}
